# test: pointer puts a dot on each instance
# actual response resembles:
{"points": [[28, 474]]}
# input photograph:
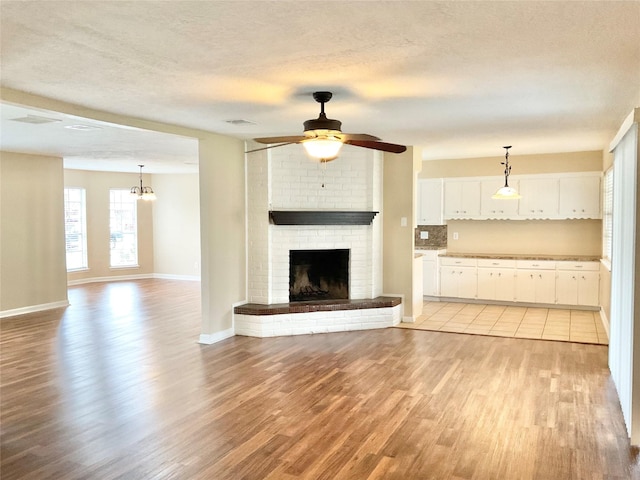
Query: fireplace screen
{"points": [[318, 275]]}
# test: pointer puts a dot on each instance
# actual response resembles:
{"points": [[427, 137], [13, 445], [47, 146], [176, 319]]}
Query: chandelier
{"points": [[140, 192]]}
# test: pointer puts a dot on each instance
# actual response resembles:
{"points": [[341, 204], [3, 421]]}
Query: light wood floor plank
{"points": [[116, 387]]}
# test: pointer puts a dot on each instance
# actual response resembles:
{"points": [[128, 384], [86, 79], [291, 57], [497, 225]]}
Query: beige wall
{"points": [[548, 237], [520, 164], [176, 225], [32, 245], [398, 241], [222, 221], [97, 186]]}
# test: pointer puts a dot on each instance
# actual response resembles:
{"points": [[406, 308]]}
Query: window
{"points": [[123, 228], [75, 228], [607, 214]]}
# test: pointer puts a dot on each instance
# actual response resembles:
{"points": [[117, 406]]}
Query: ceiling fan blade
{"points": [[270, 146], [289, 139], [375, 145], [359, 136]]}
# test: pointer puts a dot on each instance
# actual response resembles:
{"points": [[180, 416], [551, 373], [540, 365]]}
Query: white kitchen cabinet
{"points": [[536, 281], [458, 277], [579, 196], [496, 280], [461, 199], [429, 201], [491, 208], [430, 273], [540, 198], [578, 283]]}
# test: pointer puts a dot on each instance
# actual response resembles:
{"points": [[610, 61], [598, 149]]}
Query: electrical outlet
{"points": [[455, 235], [424, 235]]}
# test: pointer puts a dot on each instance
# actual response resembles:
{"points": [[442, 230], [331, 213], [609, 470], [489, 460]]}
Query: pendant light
{"points": [[142, 193], [506, 192]]}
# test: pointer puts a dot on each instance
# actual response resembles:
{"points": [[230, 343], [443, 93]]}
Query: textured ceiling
{"points": [[456, 79]]}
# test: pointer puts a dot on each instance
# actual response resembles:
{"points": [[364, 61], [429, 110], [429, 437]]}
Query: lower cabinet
{"points": [[430, 274], [526, 281], [496, 280], [458, 277], [578, 284]]}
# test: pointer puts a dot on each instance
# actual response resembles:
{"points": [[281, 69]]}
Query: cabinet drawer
{"points": [[496, 263], [458, 262], [578, 266], [536, 264]]}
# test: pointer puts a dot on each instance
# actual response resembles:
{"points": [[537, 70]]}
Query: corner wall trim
{"points": [[211, 338], [33, 308]]}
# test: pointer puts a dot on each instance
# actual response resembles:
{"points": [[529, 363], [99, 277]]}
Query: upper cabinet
{"points": [[580, 197], [491, 208], [429, 202], [539, 198], [543, 196], [461, 198]]}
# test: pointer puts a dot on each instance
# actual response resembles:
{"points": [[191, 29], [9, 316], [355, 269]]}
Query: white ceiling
{"points": [[454, 78]]}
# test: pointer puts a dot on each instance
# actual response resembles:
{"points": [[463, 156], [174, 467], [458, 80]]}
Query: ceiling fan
{"points": [[323, 138]]}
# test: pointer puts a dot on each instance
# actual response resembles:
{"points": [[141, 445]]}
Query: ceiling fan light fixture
{"points": [[323, 147]]}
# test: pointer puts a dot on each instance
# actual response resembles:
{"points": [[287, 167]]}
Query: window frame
{"points": [[123, 225], [81, 223]]}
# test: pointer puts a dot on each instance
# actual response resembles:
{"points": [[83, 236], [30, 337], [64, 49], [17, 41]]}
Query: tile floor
{"points": [[510, 321]]}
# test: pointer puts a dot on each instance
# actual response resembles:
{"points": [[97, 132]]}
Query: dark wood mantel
{"points": [[320, 217]]}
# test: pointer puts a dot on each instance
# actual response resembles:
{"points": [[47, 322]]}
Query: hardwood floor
{"points": [[116, 387]]}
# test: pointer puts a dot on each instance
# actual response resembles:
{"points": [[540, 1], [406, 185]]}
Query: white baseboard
{"points": [[33, 308], [211, 338], [115, 278], [605, 322], [168, 276]]}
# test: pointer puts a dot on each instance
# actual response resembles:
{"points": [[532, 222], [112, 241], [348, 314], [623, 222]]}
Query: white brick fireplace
{"points": [[284, 178]]}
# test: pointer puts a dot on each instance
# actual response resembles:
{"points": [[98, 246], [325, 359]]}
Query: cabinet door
{"points": [[546, 286], [470, 200], [588, 288], [429, 202], [498, 209], [567, 287], [452, 199], [505, 284], [580, 197], [486, 284], [429, 278], [448, 281], [525, 286], [540, 197], [468, 282], [462, 199]]}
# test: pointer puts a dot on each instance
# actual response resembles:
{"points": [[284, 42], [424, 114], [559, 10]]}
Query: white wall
{"points": [[33, 275], [624, 339], [285, 178]]}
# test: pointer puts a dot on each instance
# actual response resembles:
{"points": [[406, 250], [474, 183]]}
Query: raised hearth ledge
{"points": [[316, 306], [321, 217], [304, 318]]}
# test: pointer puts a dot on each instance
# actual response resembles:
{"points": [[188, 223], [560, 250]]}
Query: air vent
{"points": [[35, 119], [240, 122], [81, 127]]}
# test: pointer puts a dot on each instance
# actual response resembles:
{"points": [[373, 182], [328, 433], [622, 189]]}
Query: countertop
{"points": [[497, 256]]}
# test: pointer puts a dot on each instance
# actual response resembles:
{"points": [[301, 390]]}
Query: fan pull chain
{"points": [[323, 168]]}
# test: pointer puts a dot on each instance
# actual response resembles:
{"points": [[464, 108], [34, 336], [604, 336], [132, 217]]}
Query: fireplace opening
{"points": [[318, 275]]}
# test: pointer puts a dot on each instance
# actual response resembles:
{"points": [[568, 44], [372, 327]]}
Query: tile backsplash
{"points": [[437, 236]]}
